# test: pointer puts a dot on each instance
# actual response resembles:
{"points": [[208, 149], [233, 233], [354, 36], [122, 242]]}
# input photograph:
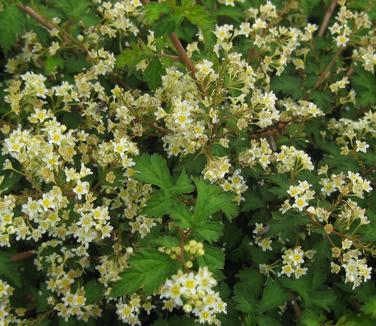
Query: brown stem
{"points": [[22, 255], [182, 54], [327, 16], [325, 73], [67, 38], [47, 24], [297, 310]]}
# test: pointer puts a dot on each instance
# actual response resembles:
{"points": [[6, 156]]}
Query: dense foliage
{"points": [[180, 161]]}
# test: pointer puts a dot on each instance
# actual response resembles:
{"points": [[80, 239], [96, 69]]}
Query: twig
{"points": [[327, 16], [47, 24], [22, 255], [297, 310], [182, 54], [325, 73]]}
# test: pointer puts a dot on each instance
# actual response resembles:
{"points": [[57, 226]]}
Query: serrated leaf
{"points": [[183, 184], [247, 290], [369, 307], [52, 64], [8, 270], [208, 230], [214, 258], [93, 291], [153, 74], [154, 10], [244, 299], [12, 22], [211, 199], [272, 297], [73, 8], [130, 57], [148, 271], [153, 169], [181, 215], [364, 83], [157, 205]]}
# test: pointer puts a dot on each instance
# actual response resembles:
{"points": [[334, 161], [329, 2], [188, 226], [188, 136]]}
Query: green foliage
{"points": [[12, 25], [241, 178], [147, 270]]}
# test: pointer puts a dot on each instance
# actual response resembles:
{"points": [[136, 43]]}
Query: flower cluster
{"points": [[356, 268], [194, 293], [129, 312], [293, 260]]}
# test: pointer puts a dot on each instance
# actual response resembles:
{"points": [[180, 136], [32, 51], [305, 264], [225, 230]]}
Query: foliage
{"points": [[174, 162]]}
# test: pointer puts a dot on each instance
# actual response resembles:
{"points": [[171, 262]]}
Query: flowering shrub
{"points": [[182, 162]]}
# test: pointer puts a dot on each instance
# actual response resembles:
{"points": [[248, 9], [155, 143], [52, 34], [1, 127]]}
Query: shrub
{"points": [[173, 162]]}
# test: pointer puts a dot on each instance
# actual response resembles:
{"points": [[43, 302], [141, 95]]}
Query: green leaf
{"points": [[183, 184], [308, 5], [52, 64], [130, 57], [154, 10], [153, 74], [214, 258], [208, 230], [364, 83], [370, 307], [42, 303], [93, 291], [244, 298], [8, 270], [200, 17], [73, 8], [247, 290], [158, 204], [148, 271], [211, 199], [252, 201], [181, 215], [153, 169], [288, 85], [272, 297], [12, 21], [267, 321]]}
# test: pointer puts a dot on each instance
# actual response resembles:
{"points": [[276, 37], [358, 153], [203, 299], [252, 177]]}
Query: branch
{"points": [[47, 24], [183, 56], [325, 73], [22, 255], [67, 38], [327, 16]]}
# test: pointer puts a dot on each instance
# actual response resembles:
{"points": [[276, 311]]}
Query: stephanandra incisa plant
{"points": [[183, 162]]}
